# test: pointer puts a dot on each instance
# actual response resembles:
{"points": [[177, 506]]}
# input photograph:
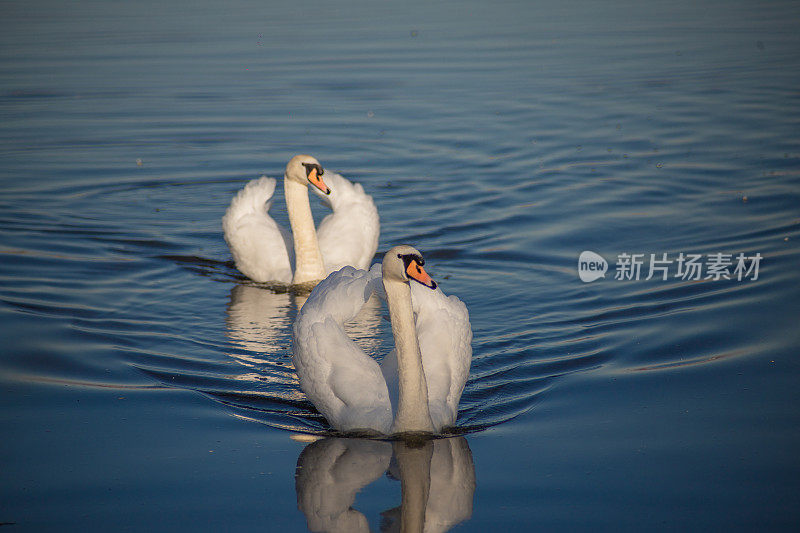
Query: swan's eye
{"points": [[313, 166], [412, 260]]}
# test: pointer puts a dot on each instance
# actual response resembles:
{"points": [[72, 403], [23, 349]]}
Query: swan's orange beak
{"points": [[315, 179], [417, 273]]}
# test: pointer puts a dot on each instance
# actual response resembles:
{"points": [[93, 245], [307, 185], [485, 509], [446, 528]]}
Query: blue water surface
{"points": [[146, 385]]}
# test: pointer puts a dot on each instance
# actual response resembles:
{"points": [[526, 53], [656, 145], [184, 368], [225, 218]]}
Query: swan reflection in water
{"points": [[437, 483], [258, 321]]}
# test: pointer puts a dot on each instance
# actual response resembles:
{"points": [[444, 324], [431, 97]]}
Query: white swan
{"points": [[419, 384], [264, 251]]}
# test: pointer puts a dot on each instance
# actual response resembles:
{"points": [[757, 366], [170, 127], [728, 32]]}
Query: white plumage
{"points": [[266, 252], [261, 249], [348, 387]]}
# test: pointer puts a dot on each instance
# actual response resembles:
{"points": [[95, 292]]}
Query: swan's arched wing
{"points": [[343, 382], [445, 340], [262, 249], [348, 236]]}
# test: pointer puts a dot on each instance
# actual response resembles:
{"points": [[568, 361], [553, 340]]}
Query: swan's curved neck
{"points": [[308, 264], [412, 406]]}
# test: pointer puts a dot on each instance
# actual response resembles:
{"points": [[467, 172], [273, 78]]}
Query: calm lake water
{"points": [[145, 385]]}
